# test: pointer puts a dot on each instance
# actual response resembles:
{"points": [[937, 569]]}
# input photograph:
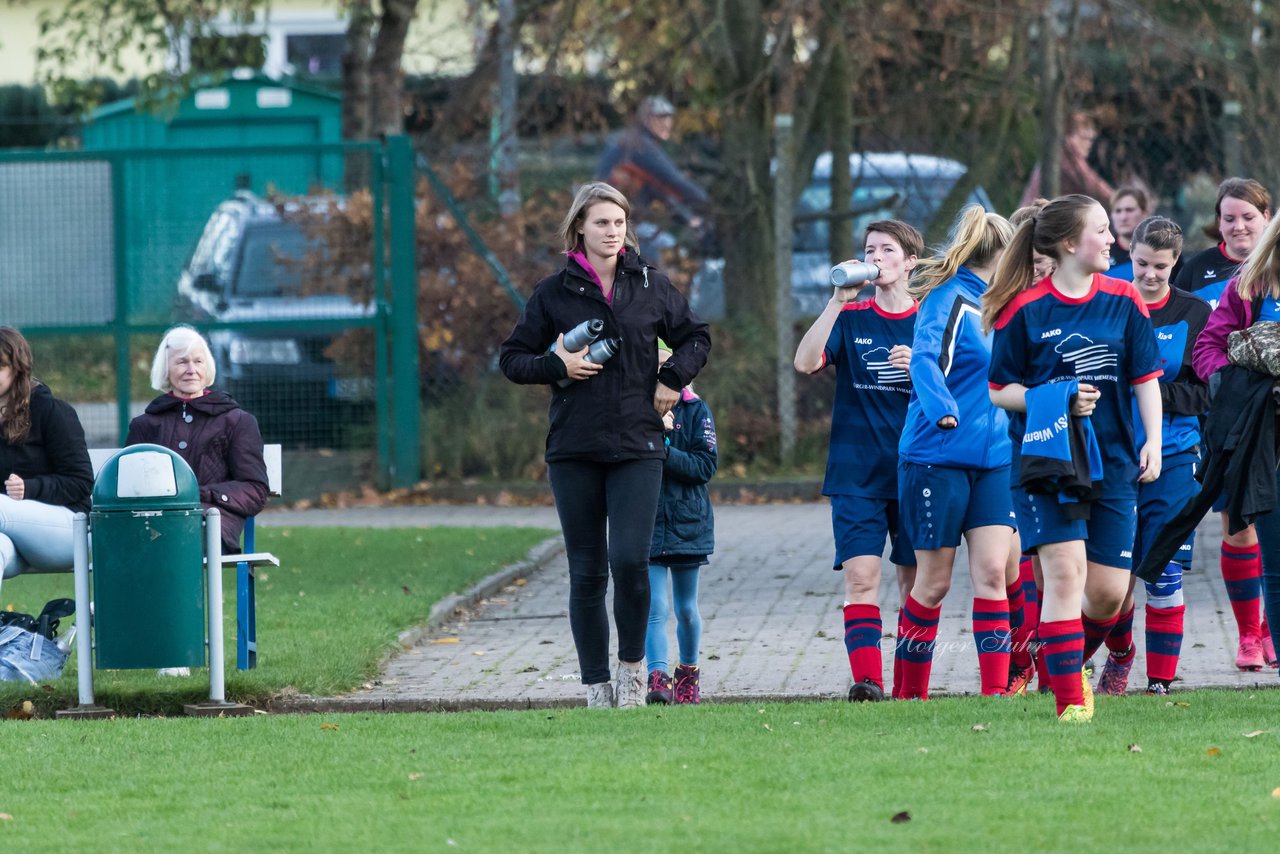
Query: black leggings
{"points": [[606, 514]]}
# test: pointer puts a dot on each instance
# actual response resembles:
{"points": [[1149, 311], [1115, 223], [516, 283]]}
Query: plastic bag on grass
{"points": [[29, 649]]}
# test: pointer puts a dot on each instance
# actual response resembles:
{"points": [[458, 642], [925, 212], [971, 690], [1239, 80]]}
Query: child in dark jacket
{"points": [[683, 538]]}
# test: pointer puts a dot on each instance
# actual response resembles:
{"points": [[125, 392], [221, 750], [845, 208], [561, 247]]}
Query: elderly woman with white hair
{"points": [[219, 440]]}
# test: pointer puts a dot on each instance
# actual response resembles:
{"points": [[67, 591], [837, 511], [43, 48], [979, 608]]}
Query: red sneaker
{"points": [[1019, 679], [1269, 649], [1249, 655]]}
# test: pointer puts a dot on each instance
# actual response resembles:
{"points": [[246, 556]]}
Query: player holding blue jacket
{"points": [[1177, 317], [953, 468], [1076, 325], [869, 342]]}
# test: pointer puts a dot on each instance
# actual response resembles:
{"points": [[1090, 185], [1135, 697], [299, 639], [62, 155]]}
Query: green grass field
{"points": [[960, 774], [326, 617]]}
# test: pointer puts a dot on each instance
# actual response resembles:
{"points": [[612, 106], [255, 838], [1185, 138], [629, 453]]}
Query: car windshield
{"points": [[272, 260], [913, 199]]}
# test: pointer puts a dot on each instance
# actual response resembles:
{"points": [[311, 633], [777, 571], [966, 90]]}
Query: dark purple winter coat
{"points": [[221, 443]]}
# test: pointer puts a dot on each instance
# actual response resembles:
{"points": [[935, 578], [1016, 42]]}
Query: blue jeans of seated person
{"points": [[684, 587], [33, 535], [1268, 528]]}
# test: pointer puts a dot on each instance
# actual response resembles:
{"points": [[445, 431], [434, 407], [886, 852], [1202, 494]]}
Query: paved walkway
{"points": [[772, 625]]}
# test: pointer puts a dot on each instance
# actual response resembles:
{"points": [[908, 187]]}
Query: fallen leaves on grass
{"points": [[329, 726], [4, 816], [769, 728], [1255, 733], [901, 817], [415, 775], [1275, 793], [980, 727], [406, 590], [1135, 748], [1214, 751], [446, 640], [24, 711]]}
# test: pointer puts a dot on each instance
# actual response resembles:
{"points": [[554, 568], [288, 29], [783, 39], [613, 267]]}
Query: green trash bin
{"points": [[147, 542]]}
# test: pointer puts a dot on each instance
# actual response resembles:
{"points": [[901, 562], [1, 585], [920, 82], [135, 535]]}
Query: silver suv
{"points": [[244, 282], [886, 185]]}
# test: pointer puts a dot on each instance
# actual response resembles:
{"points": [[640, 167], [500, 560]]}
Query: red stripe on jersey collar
{"points": [[1160, 303]]}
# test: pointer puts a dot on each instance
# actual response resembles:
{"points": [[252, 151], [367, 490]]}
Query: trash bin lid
{"points": [[146, 477]]}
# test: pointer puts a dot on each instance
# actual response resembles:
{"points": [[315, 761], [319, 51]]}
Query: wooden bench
{"points": [[245, 563]]}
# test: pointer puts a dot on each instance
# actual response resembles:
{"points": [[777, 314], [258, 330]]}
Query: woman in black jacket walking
{"points": [[44, 464], [605, 448]]}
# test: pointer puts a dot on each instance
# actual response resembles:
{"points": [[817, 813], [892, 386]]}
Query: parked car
{"points": [[270, 339], [886, 185]]}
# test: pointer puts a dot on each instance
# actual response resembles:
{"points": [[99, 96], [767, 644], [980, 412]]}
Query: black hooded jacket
{"points": [[1240, 464], [53, 461], [609, 417], [223, 446]]}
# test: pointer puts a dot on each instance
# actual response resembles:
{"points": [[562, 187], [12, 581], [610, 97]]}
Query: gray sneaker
{"points": [[629, 679], [600, 696]]}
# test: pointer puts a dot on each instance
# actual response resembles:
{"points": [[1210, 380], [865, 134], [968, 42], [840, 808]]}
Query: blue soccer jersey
{"points": [[871, 400], [1270, 309], [1121, 263], [1104, 339], [1177, 320], [1207, 273]]}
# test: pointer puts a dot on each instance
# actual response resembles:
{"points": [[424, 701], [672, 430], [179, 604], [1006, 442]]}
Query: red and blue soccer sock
{"points": [[897, 662], [991, 635], [1242, 573], [1165, 612], [1095, 632], [1020, 634], [1062, 642], [1164, 642], [1120, 639], [862, 631], [914, 653]]}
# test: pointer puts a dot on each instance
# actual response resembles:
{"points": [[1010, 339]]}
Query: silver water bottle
{"points": [[851, 274], [580, 336], [599, 352]]}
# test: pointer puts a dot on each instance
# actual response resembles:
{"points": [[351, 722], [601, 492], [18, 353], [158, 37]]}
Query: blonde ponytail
{"points": [[976, 238]]}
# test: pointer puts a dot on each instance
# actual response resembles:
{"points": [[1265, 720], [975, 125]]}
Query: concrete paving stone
{"points": [[772, 623]]}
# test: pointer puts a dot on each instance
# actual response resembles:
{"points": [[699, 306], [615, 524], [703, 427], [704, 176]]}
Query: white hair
{"points": [[180, 341]]}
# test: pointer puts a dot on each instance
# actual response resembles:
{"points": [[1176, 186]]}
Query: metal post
{"points": [[217, 705], [84, 625], [84, 619], [406, 466], [213, 564]]}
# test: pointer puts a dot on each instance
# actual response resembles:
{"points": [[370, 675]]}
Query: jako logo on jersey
{"points": [[862, 341], [1050, 333], [1085, 356], [878, 363], [1127, 554], [1164, 336]]}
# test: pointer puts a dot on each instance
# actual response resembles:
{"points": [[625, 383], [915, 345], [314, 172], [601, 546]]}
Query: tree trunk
{"points": [[783, 224], [1052, 103], [505, 113], [355, 91], [840, 114], [386, 78], [745, 222]]}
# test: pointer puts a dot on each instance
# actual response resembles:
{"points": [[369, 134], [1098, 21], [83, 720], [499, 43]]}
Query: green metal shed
{"points": [[173, 165]]}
